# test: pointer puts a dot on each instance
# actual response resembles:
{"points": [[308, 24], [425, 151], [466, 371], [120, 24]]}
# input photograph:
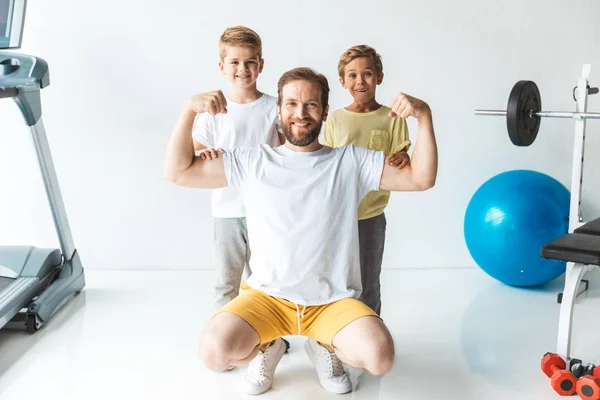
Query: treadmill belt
{"points": [[5, 282]]}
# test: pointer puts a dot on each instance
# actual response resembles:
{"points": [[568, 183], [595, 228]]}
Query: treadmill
{"points": [[34, 282]]}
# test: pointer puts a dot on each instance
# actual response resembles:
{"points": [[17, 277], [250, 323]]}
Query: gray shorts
{"points": [[232, 253], [371, 236]]}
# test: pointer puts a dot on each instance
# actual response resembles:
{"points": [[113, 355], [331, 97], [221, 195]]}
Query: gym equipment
{"points": [[580, 248], [561, 379], [588, 386], [578, 369], [34, 282], [12, 19], [524, 112], [509, 218]]}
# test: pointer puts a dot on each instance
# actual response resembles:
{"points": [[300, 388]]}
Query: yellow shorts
{"points": [[273, 317]]}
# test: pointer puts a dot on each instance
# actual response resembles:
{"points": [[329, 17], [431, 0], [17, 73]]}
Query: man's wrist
{"points": [[188, 110], [425, 116]]}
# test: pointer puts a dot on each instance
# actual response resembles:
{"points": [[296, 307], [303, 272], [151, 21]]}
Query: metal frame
{"points": [[57, 205], [575, 271], [544, 114]]}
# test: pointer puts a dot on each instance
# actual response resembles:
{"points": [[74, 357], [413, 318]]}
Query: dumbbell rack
{"points": [[580, 379]]}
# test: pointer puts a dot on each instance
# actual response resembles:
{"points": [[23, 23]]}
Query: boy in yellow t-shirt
{"points": [[366, 123]]}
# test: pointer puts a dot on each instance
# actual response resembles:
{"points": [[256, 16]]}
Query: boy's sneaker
{"points": [[330, 370], [259, 377]]}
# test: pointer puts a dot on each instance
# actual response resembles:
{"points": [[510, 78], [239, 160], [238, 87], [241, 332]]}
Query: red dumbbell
{"points": [[562, 381], [588, 386]]}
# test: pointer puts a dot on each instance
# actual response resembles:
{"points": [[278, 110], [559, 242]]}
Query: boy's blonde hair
{"points": [[240, 36], [360, 51]]}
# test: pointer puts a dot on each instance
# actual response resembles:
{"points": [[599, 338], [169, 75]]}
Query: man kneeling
{"points": [[301, 200]]}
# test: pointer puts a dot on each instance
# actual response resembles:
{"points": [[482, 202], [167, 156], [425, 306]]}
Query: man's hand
{"points": [[212, 102], [399, 160], [209, 154], [421, 171], [407, 106]]}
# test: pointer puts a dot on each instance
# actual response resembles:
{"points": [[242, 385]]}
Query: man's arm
{"points": [[421, 173], [182, 166]]}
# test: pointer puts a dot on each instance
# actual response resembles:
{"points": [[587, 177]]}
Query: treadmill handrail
{"points": [[27, 75]]}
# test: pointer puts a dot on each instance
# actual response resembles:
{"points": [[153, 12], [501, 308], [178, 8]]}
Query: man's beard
{"points": [[307, 137]]}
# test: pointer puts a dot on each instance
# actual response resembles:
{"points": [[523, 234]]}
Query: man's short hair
{"points": [[304, 74]]}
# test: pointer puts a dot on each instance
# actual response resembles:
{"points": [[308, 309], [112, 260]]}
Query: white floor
{"points": [[134, 335]]}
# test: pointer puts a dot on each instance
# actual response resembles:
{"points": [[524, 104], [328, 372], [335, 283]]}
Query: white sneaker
{"points": [[330, 370], [259, 377]]}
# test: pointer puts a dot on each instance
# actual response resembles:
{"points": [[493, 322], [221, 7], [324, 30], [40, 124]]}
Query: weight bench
{"points": [[581, 249]]}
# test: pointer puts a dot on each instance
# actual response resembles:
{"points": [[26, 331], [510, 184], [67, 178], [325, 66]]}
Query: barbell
{"points": [[524, 113]]}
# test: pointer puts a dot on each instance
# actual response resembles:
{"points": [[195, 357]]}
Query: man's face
{"points": [[301, 112]]}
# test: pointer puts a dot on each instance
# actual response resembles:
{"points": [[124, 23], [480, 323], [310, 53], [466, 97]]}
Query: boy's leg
{"points": [[372, 242], [246, 271], [231, 257]]}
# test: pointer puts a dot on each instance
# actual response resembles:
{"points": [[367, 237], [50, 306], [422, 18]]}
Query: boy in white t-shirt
{"points": [[251, 119]]}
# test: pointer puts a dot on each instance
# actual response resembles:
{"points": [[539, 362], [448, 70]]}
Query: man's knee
{"points": [[214, 350], [381, 363], [380, 356], [227, 338]]}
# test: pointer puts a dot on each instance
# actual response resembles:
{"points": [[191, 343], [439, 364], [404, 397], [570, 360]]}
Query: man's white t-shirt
{"points": [[301, 213], [244, 125]]}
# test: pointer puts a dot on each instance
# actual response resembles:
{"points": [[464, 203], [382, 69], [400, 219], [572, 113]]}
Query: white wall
{"points": [[121, 70]]}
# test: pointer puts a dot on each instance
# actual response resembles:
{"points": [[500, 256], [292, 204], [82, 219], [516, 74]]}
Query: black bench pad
{"points": [[574, 247], [590, 228]]}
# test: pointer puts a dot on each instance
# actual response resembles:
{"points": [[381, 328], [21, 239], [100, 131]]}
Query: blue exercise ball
{"points": [[508, 221]]}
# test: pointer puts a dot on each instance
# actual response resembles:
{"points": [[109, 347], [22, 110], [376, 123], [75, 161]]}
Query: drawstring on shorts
{"points": [[299, 315]]}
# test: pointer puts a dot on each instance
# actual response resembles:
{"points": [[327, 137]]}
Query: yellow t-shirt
{"points": [[372, 130]]}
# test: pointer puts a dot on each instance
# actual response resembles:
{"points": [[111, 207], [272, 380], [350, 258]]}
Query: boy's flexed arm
{"points": [[182, 166]]}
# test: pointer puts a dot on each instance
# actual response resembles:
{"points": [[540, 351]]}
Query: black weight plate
{"points": [[522, 123]]}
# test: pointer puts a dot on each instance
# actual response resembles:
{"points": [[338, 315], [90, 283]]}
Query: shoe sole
{"points": [[332, 389], [287, 345]]}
